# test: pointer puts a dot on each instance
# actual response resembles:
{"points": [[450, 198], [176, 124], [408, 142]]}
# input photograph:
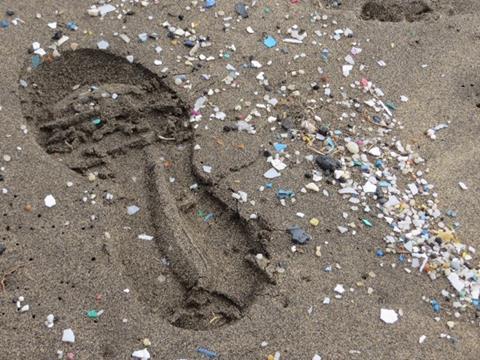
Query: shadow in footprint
{"points": [[395, 10], [97, 112]]}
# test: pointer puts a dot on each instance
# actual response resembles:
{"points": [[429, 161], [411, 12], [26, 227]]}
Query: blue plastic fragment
{"points": [[208, 217], [268, 185], [299, 236], [279, 147], [4, 24], [269, 41], [435, 306], [401, 258], [379, 164], [208, 353], [379, 253], [36, 61], [384, 184], [285, 194], [210, 3], [451, 213], [365, 167], [476, 303], [72, 25], [330, 142], [325, 54]]}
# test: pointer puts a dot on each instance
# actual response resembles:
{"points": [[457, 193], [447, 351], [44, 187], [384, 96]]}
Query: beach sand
{"points": [[84, 252]]}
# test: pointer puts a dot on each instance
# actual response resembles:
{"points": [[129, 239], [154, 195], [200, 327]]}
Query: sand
{"points": [[82, 253]]}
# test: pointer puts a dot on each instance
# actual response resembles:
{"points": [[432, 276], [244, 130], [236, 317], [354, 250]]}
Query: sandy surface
{"points": [[81, 254]]}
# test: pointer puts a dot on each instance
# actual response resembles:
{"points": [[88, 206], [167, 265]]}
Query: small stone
{"points": [[147, 342], [314, 222], [318, 251], [3, 248], [7, 158], [241, 10], [450, 324], [353, 147], [313, 187]]}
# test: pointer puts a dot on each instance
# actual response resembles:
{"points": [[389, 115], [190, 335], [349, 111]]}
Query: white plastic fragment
{"points": [[375, 151], [456, 282], [145, 237], [105, 9], [103, 45], [50, 321], [132, 209], [141, 354], [463, 186], [388, 316], [50, 201], [271, 174], [68, 336]]}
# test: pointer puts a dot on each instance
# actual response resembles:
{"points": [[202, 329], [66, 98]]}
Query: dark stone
{"points": [[287, 124], [57, 36], [241, 10], [267, 153], [3, 248], [323, 131], [299, 236], [10, 12], [327, 163], [1, 177]]}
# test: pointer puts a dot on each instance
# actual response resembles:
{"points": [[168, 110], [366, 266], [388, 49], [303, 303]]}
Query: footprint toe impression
{"points": [[97, 112]]}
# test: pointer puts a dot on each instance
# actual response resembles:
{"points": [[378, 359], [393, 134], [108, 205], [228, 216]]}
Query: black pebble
{"points": [[327, 163], [2, 249]]}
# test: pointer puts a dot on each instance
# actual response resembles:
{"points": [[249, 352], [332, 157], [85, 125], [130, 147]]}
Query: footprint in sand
{"points": [[97, 112], [395, 11]]}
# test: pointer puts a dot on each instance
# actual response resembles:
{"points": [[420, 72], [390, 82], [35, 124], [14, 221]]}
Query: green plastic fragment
{"points": [[367, 222], [391, 105], [96, 121], [92, 314]]}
